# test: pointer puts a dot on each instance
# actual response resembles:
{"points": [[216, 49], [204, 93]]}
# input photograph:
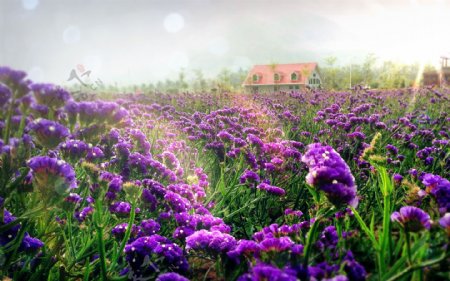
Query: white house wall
{"points": [[270, 88]]}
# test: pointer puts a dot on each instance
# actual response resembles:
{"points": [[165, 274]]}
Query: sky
{"points": [[133, 42]]}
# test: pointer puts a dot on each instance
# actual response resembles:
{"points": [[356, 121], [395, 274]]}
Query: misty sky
{"points": [[144, 41]]}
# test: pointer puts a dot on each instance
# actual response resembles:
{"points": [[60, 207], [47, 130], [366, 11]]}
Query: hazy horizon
{"points": [[145, 41]]}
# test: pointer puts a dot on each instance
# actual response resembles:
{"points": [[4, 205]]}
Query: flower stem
{"points": [[69, 225], [408, 247], [101, 247], [8, 120], [310, 240], [126, 237], [101, 243]]}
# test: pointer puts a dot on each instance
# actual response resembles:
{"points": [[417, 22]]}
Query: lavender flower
{"points": [[412, 219], [171, 276], [5, 94], [276, 244], [50, 95], [329, 172], [122, 209], [328, 238], [275, 190], [210, 241], [166, 253], [74, 149], [445, 222], [439, 188], [150, 227], [355, 271], [244, 247], [51, 174], [249, 177], [48, 133], [30, 244], [82, 215], [263, 271], [119, 230]]}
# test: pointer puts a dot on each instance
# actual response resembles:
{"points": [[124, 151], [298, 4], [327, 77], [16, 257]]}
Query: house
{"points": [[434, 78], [282, 77]]}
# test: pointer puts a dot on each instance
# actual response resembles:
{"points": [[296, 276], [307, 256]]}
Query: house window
{"points": [[294, 76], [296, 87], [276, 77], [255, 78], [291, 87], [314, 75], [276, 88]]}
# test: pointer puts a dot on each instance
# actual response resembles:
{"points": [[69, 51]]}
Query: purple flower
{"points": [[439, 188], [73, 198], [121, 209], [30, 244], [328, 238], [329, 172], [150, 227], [263, 271], [74, 149], [9, 234], [322, 270], [244, 247], [119, 230], [48, 133], [211, 241], [276, 244], [146, 253], [397, 178], [275, 190], [412, 218], [50, 95], [94, 153], [82, 215], [249, 177], [392, 149], [52, 174], [171, 276], [355, 271], [445, 222], [5, 94], [289, 211]]}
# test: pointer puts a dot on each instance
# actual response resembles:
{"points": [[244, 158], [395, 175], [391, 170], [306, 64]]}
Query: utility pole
{"points": [[350, 75]]}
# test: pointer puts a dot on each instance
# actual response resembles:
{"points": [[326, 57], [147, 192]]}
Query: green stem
{"points": [[98, 222], [408, 247], [71, 244], [101, 246], [364, 227], [8, 120], [19, 133], [51, 113], [415, 267], [126, 237], [310, 240]]}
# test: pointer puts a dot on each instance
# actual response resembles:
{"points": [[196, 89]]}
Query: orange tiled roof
{"points": [[267, 72]]}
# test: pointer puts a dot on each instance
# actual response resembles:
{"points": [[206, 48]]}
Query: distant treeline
{"points": [[369, 73]]}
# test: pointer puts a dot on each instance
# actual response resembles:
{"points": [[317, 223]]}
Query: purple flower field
{"points": [[301, 185]]}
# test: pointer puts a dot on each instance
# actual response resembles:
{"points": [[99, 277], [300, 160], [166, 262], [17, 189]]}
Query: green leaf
{"points": [[364, 227]]}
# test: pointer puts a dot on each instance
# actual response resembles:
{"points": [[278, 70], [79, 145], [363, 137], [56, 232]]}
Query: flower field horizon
{"points": [[300, 185]]}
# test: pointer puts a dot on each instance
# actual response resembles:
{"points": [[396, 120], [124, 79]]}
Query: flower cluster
{"points": [[48, 133], [52, 175], [329, 173]]}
